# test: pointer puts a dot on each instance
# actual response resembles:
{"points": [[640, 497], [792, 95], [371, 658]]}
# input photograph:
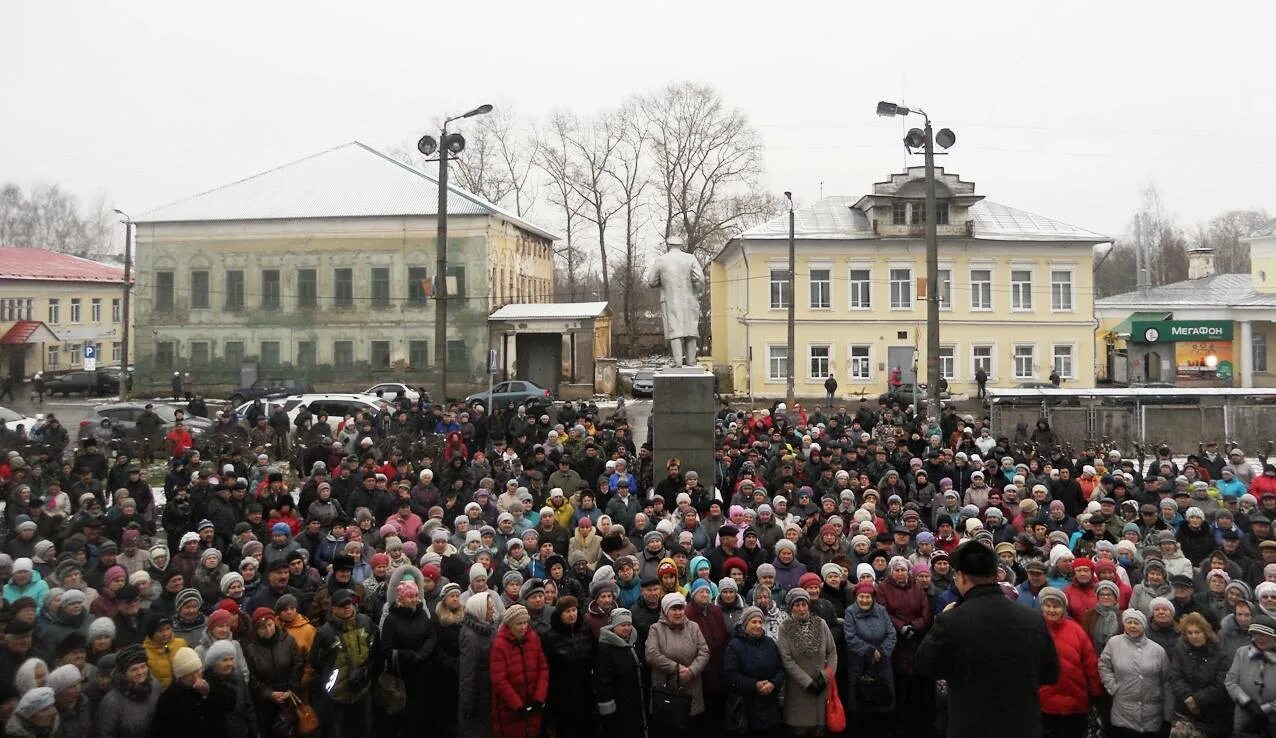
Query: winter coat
{"points": [[1231, 638], [748, 661], [520, 677], [1136, 671], [408, 641], [618, 683], [801, 662], [1199, 673], [120, 716], [1195, 543], [868, 631], [182, 711], [241, 664], [59, 626], [273, 666], [570, 652], [475, 685], [990, 645], [349, 648], [671, 646], [1078, 671], [77, 720], [713, 626], [1081, 598], [1252, 678], [907, 606], [160, 658], [1144, 593]]}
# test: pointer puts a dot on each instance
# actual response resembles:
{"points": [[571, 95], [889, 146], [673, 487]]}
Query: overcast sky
{"points": [[1067, 110]]}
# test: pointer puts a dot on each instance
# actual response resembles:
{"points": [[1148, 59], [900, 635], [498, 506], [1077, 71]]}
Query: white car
{"points": [[336, 405], [12, 419], [392, 390]]}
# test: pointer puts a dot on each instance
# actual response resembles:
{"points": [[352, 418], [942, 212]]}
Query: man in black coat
{"points": [[983, 645]]}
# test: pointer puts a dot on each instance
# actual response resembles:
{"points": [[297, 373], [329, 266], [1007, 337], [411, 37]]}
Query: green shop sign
{"points": [[1169, 331]]}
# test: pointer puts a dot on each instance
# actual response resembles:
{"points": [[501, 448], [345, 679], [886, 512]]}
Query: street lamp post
{"points": [[792, 317], [128, 289], [924, 139], [447, 145]]}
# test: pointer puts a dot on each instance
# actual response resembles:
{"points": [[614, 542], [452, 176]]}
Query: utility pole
{"points": [[125, 303], [792, 346], [440, 272], [932, 281]]}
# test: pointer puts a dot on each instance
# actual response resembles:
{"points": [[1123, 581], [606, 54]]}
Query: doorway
{"points": [[1152, 367], [902, 357], [539, 359]]}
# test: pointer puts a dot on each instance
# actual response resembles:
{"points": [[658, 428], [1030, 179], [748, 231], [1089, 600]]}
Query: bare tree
{"points": [[704, 154], [553, 158], [1165, 244], [628, 172], [516, 150], [590, 150], [478, 169], [47, 217], [1224, 234]]}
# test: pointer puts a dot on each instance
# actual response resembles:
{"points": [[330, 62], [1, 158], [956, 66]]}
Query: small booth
{"points": [[554, 345]]}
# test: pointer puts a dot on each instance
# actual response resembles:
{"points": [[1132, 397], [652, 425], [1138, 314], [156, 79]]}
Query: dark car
{"points": [[517, 391], [270, 388], [909, 394], [644, 383], [100, 382], [125, 414]]}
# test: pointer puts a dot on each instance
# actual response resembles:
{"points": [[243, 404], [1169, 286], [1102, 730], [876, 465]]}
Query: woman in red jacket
{"points": [[1081, 591], [520, 677], [1065, 704]]}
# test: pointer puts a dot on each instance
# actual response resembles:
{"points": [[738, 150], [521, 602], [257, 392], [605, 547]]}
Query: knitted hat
{"points": [[515, 614], [765, 570], [795, 594], [478, 571], [728, 583], [1160, 602], [218, 651], [785, 544], [40, 698], [102, 627], [671, 600], [188, 595], [220, 617], [1108, 586], [620, 615], [751, 612], [1135, 615], [228, 579], [829, 569], [63, 677], [810, 578], [186, 661]]}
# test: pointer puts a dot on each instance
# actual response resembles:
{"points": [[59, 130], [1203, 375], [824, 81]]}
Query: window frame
{"points": [[778, 289], [981, 288], [859, 288], [165, 291], [201, 352], [201, 295], [1056, 306], [234, 289], [1015, 357], [771, 359], [1072, 359], [54, 311], [1258, 351], [899, 212], [342, 288], [866, 361], [77, 311], [264, 354], [233, 357], [374, 348], [307, 288], [424, 352], [945, 288], [416, 289], [340, 353], [907, 284], [271, 289], [1020, 290], [951, 374], [811, 374], [116, 309], [95, 310], [827, 286], [992, 359], [379, 285]]}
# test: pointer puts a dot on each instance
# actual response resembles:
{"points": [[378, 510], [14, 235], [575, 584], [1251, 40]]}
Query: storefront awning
{"points": [[1122, 329], [28, 331]]}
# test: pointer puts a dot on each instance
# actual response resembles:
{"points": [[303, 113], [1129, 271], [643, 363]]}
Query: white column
{"points": [[1245, 355]]}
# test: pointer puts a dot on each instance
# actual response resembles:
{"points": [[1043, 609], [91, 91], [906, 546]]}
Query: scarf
{"points": [[1107, 626], [807, 641], [520, 563]]}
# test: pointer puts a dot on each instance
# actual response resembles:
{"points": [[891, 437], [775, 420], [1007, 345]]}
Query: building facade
{"points": [[1210, 330], [52, 306], [1015, 294], [325, 268]]}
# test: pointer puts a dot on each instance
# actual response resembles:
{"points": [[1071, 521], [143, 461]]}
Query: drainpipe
{"points": [[748, 346]]}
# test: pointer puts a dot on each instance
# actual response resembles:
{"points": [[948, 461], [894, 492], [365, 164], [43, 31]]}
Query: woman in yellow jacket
{"points": [[161, 647]]}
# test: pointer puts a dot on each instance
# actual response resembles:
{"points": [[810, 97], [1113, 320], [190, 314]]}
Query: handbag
{"points": [[1183, 727], [390, 693], [872, 691], [834, 714], [307, 719], [736, 719], [670, 707]]}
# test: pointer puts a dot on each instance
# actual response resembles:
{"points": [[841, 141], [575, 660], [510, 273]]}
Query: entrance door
{"points": [[1152, 367], [902, 357], [540, 359], [17, 357]]}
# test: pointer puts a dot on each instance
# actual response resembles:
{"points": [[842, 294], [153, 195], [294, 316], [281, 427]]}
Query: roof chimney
{"points": [[1200, 262]]}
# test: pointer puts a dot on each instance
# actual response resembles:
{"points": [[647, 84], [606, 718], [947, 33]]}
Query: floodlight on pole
{"points": [[946, 138], [427, 145]]}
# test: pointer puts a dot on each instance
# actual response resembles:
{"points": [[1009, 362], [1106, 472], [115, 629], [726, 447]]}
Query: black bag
{"points": [[670, 707], [736, 718], [872, 691]]}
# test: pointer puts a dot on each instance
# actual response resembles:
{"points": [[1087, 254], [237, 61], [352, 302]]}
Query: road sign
{"points": [[90, 357]]}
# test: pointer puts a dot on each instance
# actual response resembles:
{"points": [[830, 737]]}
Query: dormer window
{"points": [[913, 212]]}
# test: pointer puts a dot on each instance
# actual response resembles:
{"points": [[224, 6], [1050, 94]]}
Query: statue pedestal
{"points": [[682, 414]]}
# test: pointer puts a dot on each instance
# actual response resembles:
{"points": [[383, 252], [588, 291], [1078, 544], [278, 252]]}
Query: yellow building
{"points": [[1016, 294], [52, 305], [1209, 330]]}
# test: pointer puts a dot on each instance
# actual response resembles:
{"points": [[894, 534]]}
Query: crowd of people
{"points": [[439, 569]]}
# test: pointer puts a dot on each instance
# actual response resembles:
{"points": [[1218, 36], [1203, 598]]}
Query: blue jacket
{"points": [[36, 589], [750, 660]]}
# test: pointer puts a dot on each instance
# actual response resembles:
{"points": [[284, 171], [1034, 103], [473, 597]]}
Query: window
{"points": [[1258, 351], [55, 357], [1061, 360], [269, 353], [457, 357], [1061, 290], [779, 289], [307, 288], [418, 354], [899, 212], [381, 287], [821, 289], [117, 350], [901, 288], [234, 289], [343, 353], [777, 363], [456, 286], [73, 353], [947, 362], [945, 289], [861, 283], [981, 358], [343, 293], [234, 352], [380, 352], [55, 310], [981, 289], [270, 289], [818, 361], [199, 353], [861, 368], [164, 354], [30, 309], [1025, 357], [163, 290], [305, 353], [418, 285], [75, 310], [1021, 289], [199, 289], [115, 310], [95, 310]]}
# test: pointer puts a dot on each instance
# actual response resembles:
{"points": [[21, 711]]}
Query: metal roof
{"points": [[27, 331], [1265, 230], [1218, 290], [353, 180], [834, 218], [550, 311], [17, 262]]}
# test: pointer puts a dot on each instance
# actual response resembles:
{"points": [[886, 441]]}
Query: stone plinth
{"points": [[682, 413]]}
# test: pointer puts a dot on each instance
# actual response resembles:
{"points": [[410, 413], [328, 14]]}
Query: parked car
{"points": [[394, 390], [644, 384], [270, 388], [99, 382], [517, 391], [1036, 385], [127, 413], [909, 394], [12, 419], [336, 405]]}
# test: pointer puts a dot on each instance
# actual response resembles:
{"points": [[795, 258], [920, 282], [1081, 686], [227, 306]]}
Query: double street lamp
{"points": [[925, 140], [128, 289], [447, 145]]}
